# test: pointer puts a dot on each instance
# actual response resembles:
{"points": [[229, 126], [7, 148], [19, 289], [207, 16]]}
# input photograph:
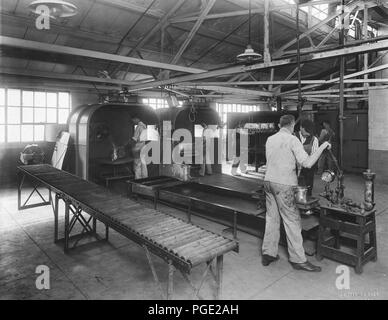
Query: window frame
{"points": [[35, 125]]}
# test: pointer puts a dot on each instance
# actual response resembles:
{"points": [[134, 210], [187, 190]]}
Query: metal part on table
{"points": [[300, 194], [369, 192], [337, 197], [159, 233]]}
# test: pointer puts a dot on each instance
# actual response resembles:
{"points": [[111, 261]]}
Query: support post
{"points": [[170, 288], [219, 268], [56, 209], [342, 86], [67, 226], [365, 36], [267, 55]]}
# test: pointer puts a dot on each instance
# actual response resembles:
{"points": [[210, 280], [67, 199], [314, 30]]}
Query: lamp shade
{"points": [[58, 8]]}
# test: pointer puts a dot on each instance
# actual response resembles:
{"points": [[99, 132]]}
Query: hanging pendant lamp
{"points": [[58, 8], [249, 54]]}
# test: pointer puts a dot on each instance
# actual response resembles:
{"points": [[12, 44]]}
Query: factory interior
{"points": [[193, 149]]}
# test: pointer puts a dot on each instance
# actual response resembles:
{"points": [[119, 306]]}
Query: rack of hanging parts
{"points": [[193, 111]]}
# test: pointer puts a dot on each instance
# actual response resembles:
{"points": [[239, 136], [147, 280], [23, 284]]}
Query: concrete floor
{"points": [[118, 269]]}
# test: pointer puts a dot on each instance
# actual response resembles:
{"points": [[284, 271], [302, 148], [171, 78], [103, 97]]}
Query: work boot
{"points": [[267, 259], [306, 266]]}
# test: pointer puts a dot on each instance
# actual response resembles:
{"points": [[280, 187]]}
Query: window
{"points": [[224, 108], [158, 103], [319, 11], [24, 113]]}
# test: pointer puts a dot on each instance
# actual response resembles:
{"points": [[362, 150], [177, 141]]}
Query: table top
{"points": [[109, 162], [347, 210]]}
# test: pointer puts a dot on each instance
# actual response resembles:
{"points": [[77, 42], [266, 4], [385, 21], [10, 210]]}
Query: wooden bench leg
{"points": [[360, 245], [219, 269], [67, 226], [106, 233], [373, 239], [56, 212], [155, 275], [170, 287]]}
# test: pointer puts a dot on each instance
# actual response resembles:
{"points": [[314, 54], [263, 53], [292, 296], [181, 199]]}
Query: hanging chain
{"points": [[193, 111]]}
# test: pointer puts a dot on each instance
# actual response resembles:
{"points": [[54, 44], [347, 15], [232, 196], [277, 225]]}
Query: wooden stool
{"points": [[346, 226]]}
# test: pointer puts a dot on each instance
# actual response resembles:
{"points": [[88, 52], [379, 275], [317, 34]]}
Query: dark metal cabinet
{"points": [[355, 141]]}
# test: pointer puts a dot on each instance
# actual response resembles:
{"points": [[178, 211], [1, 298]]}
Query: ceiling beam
{"points": [[378, 46], [246, 12], [193, 31], [63, 76], [345, 77], [231, 90], [46, 47], [281, 50], [157, 26], [91, 35], [131, 6]]}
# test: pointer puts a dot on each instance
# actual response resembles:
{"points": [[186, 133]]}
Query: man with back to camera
{"points": [[283, 152]]}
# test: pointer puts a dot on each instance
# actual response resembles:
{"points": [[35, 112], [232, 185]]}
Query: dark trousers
{"points": [[306, 179]]}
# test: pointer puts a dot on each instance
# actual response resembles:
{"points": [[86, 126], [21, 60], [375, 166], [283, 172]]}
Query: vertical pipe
{"points": [[342, 85], [299, 106], [365, 36], [267, 56]]}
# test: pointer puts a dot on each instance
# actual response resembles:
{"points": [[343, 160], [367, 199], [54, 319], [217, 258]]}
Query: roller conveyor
{"points": [[181, 244]]}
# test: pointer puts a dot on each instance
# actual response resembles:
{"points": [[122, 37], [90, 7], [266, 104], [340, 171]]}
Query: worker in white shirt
{"points": [[310, 145], [206, 165], [283, 152], [138, 142]]}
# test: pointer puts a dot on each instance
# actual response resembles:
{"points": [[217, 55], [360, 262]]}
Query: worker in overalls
{"points": [[236, 146], [206, 166], [310, 145], [138, 142]]}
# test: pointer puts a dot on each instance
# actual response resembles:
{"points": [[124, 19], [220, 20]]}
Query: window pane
{"points": [[63, 100], [13, 133], [38, 133], [39, 115], [62, 115], [40, 99], [13, 97], [51, 100], [13, 115], [28, 115], [2, 115], [27, 133], [51, 115], [28, 98], [2, 133], [2, 97]]}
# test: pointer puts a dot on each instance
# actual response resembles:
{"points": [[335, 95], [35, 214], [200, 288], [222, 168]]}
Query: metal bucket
{"points": [[300, 194]]}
